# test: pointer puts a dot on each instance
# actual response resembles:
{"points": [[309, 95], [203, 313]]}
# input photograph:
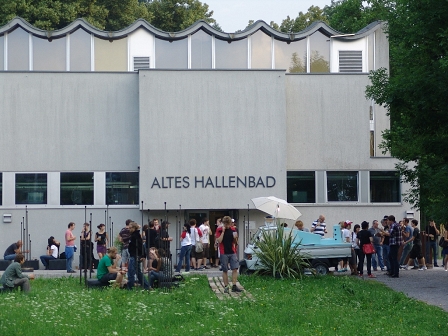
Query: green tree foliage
{"points": [[303, 20], [349, 16], [176, 15], [416, 96], [297, 64], [111, 15]]}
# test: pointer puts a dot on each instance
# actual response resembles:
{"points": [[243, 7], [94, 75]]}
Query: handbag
{"points": [[198, 245], [368, 249], [443, 243]]}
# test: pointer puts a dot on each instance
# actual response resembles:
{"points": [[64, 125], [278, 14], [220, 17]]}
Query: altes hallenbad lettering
{"points": [[185, 182]]}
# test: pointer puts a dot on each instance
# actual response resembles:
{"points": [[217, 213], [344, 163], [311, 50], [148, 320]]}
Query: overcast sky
{"points": [[235, 14]]}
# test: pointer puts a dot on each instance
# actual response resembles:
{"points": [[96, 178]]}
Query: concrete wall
{"points": [[76, 122], [201, 124], [328, 123]]}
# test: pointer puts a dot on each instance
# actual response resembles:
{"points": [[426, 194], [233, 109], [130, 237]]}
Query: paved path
{"points": [[428, 286]]}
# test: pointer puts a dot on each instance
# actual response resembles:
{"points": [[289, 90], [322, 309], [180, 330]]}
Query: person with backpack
{"points": [[195, 235]]}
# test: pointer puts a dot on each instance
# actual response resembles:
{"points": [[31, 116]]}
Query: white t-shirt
{"points": [[54, 250], [205, 234], [345, 236]]}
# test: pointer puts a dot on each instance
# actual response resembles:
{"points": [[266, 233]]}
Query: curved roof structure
{"points": [[172, 36]]}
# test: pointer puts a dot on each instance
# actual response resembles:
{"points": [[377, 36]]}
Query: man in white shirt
{"points": [[206, 233]]}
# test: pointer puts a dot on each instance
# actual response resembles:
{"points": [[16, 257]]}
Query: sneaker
{"points": [[372, 276], [415, 267], [383, 269], [207, 267], [424, 268], [236, 289], [436, 265], [199, 269], [226, 290], [186, 272], [405, 268]]}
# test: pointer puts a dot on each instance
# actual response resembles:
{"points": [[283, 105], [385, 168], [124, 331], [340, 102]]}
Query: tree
{"points": [[303, 20], [416, 97], [297, 65], [176, 15], [349, 16]]}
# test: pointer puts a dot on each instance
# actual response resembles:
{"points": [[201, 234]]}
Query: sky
{"points": [[232, 15]]}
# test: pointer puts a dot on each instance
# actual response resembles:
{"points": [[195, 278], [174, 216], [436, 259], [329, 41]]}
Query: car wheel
{"points": [[244, 270], [321, 269]]}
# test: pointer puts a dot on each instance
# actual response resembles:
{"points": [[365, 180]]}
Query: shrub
{"points": [[278, 256]]}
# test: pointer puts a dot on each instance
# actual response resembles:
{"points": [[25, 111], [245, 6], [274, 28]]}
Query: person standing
{"points": [[431, 234], [52, 252], [123, 236], [386, 246], [70, 247], [218, 224], [355, 248], [364, 237], [13, 276], [416, 251], [102, 239], [378, 245], [395, 241], [407, 247], [226, 238], [165, 239], [136, 257], [195, 235], [319, 227], [445, 249], [206, 233], [86, 247], [185, 250]]}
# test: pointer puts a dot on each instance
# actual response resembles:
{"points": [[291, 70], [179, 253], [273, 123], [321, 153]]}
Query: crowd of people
{"points": [[387, 240]]}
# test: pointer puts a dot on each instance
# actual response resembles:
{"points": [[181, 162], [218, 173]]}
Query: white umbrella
{"points": [[276, 207]]}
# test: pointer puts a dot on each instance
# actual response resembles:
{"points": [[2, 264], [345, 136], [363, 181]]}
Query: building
{"points": [[144, 124]]}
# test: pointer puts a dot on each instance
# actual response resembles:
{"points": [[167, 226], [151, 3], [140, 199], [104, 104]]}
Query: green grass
{"points": [[312, 306]]}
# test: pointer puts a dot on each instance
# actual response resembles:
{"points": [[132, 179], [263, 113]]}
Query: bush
{"points": [[278, 256]]}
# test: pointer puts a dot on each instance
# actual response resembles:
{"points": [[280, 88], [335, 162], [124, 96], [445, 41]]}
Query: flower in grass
{"points": [[114, 333]]}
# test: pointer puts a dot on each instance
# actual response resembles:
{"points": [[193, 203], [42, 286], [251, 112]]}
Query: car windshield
{"points": [[259, 235]]}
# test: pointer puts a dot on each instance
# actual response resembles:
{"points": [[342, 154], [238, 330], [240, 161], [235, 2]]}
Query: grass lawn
{"points": [[312, 306]]}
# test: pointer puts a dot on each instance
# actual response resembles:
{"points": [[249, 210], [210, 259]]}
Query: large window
{"points": [[301, 187], [342, 186], [122, 188], [291, 57], [231, 55], [384, 186], [31, 188], [201, 50], [18, 50], [77, 188], [171, 55]]}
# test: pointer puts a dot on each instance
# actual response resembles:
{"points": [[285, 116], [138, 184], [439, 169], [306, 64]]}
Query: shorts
{"points": [[206, 250], [416, 252], [124, 256], [107, 277], [196, 255], [101, 249], [229, 258]]}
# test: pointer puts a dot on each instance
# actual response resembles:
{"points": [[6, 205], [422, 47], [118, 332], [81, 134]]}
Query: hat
{"points": [[385, 216], [364, 222], [348, 222]]}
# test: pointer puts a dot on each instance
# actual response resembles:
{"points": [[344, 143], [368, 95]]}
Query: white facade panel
{"points": [[140, 44]]}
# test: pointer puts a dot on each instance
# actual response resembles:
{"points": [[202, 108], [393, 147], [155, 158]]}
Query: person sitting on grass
{"points": [[13, 276], [52, 251], [157, 267], [108, 268]]}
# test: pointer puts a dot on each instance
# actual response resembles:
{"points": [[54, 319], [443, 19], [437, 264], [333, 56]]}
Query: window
{"points": [[76, 188], [342, 186], [291, 57], [301, 187], [122, 188], [231, 55], [320, 53], [201, 50], [18, 50], [80, 51], [31, 188], [261, 51], [384, 186], [49, 56]]}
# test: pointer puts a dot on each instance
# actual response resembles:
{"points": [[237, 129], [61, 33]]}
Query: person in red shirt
{"points": [[227, 237]]}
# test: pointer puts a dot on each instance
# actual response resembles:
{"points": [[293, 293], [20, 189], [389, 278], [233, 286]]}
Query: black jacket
{"points": [[136, 245]]}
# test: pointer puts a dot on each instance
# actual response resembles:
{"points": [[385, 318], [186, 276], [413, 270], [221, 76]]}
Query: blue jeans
{"points": [[134, 268], [379, 255], [185, 252], [431, 245], [70, 254], [406, 249], [153, 276], [386, 252], [45, 259], [9, 257]]}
